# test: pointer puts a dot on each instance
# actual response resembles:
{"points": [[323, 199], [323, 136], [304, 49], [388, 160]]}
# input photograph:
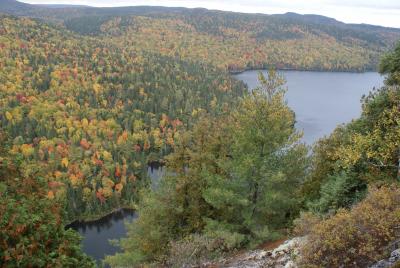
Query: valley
{"points": [[212, 132]]}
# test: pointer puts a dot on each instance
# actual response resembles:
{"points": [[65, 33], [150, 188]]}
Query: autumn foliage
{"points": [[354, 215], [32, 223], [90, 115], [358, 236]]}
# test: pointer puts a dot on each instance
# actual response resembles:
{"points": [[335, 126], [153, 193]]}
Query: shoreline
{"points": [[237, 72], [97, 217]]}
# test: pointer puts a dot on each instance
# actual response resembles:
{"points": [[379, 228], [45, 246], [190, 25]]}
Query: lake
{"points": [[322, 100], [96, 234]]}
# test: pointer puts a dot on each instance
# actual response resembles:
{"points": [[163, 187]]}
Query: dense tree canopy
{"points": [[87, 102], [235, 181], [233, 41], [239, 45], [88, 115], [390, 65], [32, 225]]}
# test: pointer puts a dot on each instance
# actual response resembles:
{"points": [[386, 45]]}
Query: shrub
{"points": [[356, 237], [339, 191], [304, 224], [32, 235], [194, 251]]}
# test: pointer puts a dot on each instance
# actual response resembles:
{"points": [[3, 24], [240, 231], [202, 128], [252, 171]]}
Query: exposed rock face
{"points": [[387, 263], [283, 256]]}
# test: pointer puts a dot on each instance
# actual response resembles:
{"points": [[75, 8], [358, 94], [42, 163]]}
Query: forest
{"points": [[85, 110], [94, 115], [81, 119], [227, 40], [244, 177]]}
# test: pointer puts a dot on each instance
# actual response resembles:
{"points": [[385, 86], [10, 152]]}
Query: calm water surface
{"points": [[96, 234], [322, 100]]}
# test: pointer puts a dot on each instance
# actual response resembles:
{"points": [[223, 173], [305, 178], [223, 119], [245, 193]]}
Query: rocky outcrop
{"points": [[283, 256], [390, 262], [286, 255]]}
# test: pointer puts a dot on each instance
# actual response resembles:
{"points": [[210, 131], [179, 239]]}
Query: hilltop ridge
{"points": [[229, 40]]}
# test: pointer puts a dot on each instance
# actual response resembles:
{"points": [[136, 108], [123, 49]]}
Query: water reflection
{"points": [[104, 223], [96, 234]]}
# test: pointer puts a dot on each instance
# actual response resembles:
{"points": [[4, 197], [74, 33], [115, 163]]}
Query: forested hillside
{"points": [[232, 41], [86, 116], [240, 179], [89, 97], [236, 184]]}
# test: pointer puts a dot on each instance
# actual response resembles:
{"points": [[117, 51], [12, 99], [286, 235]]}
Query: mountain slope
{"points": [[86, 116], [233, 41], [237, 41]]}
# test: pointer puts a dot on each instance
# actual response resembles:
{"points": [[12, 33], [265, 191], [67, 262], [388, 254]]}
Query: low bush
{"points": [[356, 237], [194, 251]]}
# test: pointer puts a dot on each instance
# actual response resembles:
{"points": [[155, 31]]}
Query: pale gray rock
{"points": [[283, 256], [390, 262], [395, 256]]}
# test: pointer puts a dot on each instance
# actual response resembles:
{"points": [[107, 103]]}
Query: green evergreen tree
{"points": [[234, 181], [259, 194]]}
